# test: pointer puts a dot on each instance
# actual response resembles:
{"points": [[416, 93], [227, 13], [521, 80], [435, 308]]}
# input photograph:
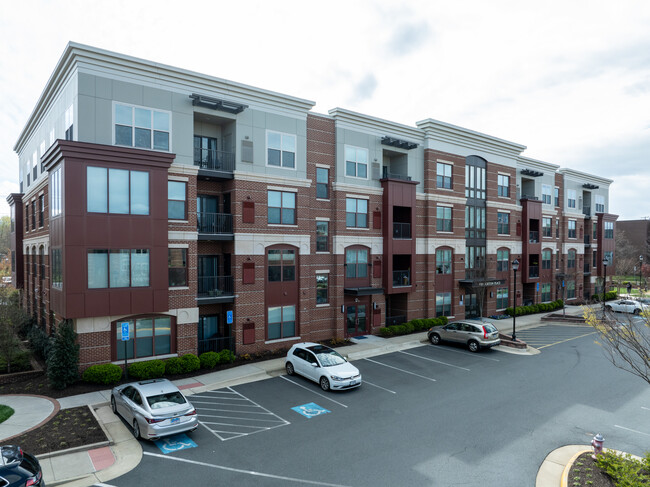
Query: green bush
{"points": [[625, 470], [20, 363], [150, 369], [385, 332], [209, 360], [397, 329], [226, 357], [102, 374], [63, 357], [174, 365], [408, 328], [39, 341], [190, 362]]}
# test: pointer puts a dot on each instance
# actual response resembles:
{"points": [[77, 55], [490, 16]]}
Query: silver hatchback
{"points": [[473, 333]]}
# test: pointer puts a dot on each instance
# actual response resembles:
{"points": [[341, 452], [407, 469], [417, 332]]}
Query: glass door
{"points": [[356, 318]]}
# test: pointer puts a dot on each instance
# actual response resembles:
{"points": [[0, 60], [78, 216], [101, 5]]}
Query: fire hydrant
{"points": [[597, 443]]}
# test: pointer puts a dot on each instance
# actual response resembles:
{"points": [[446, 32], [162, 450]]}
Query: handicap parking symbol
{"points": [[310, 410], [174, 443]]}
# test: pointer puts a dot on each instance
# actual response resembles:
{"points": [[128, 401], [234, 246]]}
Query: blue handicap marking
{"points": [[174, 443], [310, 410]]}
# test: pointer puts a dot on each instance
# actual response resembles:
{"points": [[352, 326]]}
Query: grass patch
{"points": [[5, 413]]}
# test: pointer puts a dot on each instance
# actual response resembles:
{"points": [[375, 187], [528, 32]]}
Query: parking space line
{"points": [[235, 417], [432, 360], [401, 370], [467, 354], [378, 387], [633, 431], [239, 470], [567, 340], [312, 391]]}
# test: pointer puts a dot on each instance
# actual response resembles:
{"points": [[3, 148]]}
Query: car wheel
{"points": [[289, 367], [113, 405], [434, 338], [637, 311], [136, 429], [324, 384], [473, 346]]}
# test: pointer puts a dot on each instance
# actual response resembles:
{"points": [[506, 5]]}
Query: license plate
{"points": [[176, 420]]}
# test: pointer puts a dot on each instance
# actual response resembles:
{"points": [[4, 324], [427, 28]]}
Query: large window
{"points": [[149, 336], [443, 261], [571, 259], [443, 219], [474, 181], [118, 268], [142, 127], [322, 236], [282, 207], [443, 304], [356, 162], [281, 149], [177, 261], [546, 259], [176, 191], [281, 322], [57, 269], [281, 265], [117, 191], [546, 292], [443, 175], [205, 151], [503, 258], [571, 225], [322, 183], [546, 194], [609, 230], [503, 223], [322, 288], [356, 213], [600, 203], [41, 210], [55, 193], [502, 297], [503, 185], [356, 263], [474, 222], [570, 289], [556, 196], [546, 227], [571, 198]]}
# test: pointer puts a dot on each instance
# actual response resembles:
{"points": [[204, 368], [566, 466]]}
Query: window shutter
{"points": [[249, 273], [376, 220], [248, 213]]}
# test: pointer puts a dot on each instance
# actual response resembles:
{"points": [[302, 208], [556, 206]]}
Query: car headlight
{"points": [[335, 377]]}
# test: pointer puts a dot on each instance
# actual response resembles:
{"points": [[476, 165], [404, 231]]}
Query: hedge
{"points": [[209, 360], [150, 369], [173, 365], [190, 362], [536, 308], [608, 296], [102, 374], [419, 324], [20, 363]]}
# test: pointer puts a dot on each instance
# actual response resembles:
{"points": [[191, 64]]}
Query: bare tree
{"points": [[625, 342], [9, 343]]}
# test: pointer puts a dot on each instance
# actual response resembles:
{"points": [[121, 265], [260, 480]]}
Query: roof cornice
{"points": [[584, 177], [527, 162], [374, 125]]}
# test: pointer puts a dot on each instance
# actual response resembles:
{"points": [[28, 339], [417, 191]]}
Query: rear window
{"points": [[166, 400], [11, 455], [490, 328]]}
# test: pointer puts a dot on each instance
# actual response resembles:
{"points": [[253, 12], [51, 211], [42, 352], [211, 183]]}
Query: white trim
{"points": [[322, 219], [358, 197], [323, 305], [282, 189], [324, 271], [178, 245], [345, 187], [177, 235], [444, 205], [443, 161], [499, 210], [178, 179], [323, 166], [270, 179], [178, 288]]}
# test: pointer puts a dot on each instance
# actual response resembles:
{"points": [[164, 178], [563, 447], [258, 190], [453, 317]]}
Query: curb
{"points": [[565, 473]]}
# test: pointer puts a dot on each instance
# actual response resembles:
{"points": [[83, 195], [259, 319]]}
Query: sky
{"points": [[568, 79]]}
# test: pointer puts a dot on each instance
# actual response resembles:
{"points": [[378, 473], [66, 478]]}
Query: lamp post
{"points": [[605, 262], [640, 271], [515, 267]]}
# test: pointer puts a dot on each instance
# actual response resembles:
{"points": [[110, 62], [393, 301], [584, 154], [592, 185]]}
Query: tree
{"points": [[627, 256], [626, 343], [11, 318], [63, 357]]}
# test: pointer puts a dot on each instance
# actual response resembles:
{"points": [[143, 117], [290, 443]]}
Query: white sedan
{"points": [[322, 365], [626, 306]]}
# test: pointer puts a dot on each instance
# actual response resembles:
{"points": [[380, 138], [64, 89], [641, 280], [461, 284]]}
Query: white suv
{"points": [[322, 365]]}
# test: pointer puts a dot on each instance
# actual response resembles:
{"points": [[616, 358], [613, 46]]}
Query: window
{"points": [[503, 223], [41, 210], [281, 207], [118, 268], [571, 259], [600, 203], [356, 213], [502, 297], [594, 262], [177, 261], [57, 269], [322, 183], [27, 217], [546, 292], [572, 228], [571, 198], [443, 175], [474, 180], [546, 227], [281, 322], [503, 185], [443, 261], [322, 236], [546, 259], [609, 230], [176, 200], [142, 127], [356, 162], [150, 336], [117, 191], [503, 258], [69, 123], [556, 196], [443, 219], [546, 194], [557, 228], [570, 289], [281, 265], [356, 263], [321, 289], [33, 214], [595, 231], [474, 222], [205, 151], [443, 304], [609, 257], [55, 193], [281, 150]]}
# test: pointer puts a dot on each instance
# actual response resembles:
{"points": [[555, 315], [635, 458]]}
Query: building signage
{"points": [[125, 331], [486, 283]]}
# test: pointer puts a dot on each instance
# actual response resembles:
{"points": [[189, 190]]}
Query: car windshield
{"points": [[644, 300], [166, 400], [11, 455], [327, 357]]}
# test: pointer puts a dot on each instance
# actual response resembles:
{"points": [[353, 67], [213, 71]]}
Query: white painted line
{"points": [[224, 404], [235, 417], [401, 370], [247, 472], [263, 428], [477, 355], [237, 435], [633, 431], [432, 360], [379, 387], [313, 391], [231, 411]]}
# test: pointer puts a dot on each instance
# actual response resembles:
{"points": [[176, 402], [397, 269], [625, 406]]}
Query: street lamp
{"points": [[640, 271], [515, 267], [605, 262]]}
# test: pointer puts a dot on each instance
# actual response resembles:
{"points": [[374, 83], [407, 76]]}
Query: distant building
{"points": [[637, 233]]}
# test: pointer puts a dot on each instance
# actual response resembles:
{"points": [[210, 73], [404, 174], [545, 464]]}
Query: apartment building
{"points": [[203, 214]]}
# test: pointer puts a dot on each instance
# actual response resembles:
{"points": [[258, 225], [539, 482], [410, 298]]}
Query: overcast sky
{"points": [[568, 79]]}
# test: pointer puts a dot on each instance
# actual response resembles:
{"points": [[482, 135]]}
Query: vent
{"points": [[247, 151], [375, 170]]}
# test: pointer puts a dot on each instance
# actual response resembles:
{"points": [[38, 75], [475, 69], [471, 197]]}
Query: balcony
{"points": [[214, 226], [586, 211], [402, 231], [587, 268], [533, 236], [386, 174], [533, 271], [587, 240], [214, 163], [401, 278], [215, 289]]}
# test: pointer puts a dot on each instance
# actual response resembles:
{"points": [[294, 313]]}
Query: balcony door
{"points": [[205, 151], [207, 208], [208, 274]]}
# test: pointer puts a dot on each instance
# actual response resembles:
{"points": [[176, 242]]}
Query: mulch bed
{"points": [[585, 473]]}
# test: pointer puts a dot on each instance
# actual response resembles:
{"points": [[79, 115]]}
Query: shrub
{"points": [[385, 332], [209, 360], [174, 365], [151, 369], [102, 374], [39, 341], [20, 363], [226, 357], [63, 357], [408, 328], [190, 362], [624, 469]]}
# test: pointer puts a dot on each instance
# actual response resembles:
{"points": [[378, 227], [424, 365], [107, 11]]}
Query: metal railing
{"points": [[401, 278], [587, 268], [215, 286], [214, 160], [587, 239], [533, 236], [217, 344], [214, 222], [586, 210], [401, 230], [395, 320], [386, 174], [533, 271]]}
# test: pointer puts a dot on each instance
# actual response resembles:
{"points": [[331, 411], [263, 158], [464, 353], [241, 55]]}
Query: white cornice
{"points": [[377, 126], [268, 179], [584, 177], [527, 162], [354, 188]]}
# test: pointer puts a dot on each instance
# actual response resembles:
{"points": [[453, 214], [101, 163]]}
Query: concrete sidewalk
{"points": [[122, 452]]}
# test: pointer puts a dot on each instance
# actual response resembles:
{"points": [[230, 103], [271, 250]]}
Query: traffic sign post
{"points": [[125, 338]]}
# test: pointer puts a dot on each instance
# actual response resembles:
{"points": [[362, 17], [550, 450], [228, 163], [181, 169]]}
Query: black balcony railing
{"points": [[217, 344], [533, 237], [214, 222], [533, 271], [386, 174], [586, 210], [401, 230], [401, 278], [395, 320], [215, 286], [214, 160], [587, 239], [587, 268]]}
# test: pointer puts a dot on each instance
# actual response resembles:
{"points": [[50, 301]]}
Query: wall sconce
{"points": [[248, 197], [356, 300], [342, 308], [375, 305]]}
